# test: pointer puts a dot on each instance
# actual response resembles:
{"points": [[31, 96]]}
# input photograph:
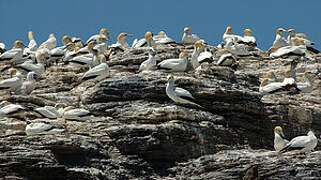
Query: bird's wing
{"points": [[183, 93], [96, 71]]}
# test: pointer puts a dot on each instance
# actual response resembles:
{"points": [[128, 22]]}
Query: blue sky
{"points": [[208, 19]]}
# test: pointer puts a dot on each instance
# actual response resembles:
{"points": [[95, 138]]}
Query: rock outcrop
{"points": [[134, 131]]}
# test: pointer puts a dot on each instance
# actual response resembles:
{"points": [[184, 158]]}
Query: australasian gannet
{"points": [[266, 87], [38, 68], [226, 58], [307, 42], [77, 41], [150, 63], [103, 32], [15, 53], [60, 51], [14, 83], [291, 35], [48, 112], [279, 139], [307, 85], [227, 36], [188, 37], [279, 42], [235, 48], [146, 41], [121, 41], [2, 48], [271, 77], [10, 109], [84, 59], [175, 65], [198, 47], [70, 112], [177, 94], [50, 43], [32, 46], [295, 49], [37, 127], [248, 39], [288, 79], [100, 70], [100, 45], [27, 86], [303, 143], [162, 38]]}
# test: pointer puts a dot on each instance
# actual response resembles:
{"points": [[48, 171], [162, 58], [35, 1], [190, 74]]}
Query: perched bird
{"points": [[236, 48], [177, 94], [146, 41], [162, 38], [15, 53], [268, 88], [2, 48], [103, 32], [307, 85], [100, 45], [188, 37], [150, 63], [248, 39], [85, 59], [288, 79], [38, 68], [307, 42], [198, 47], [48, 112], [279, 41], [60, 51], [100, 70], [303, 143], [271, 77], [296, 49], [121, 41], [292, 34], [28, 86], [38, 127], [14, 83], [227, 36], [50, 43], [77, 41], [71, 113], [226, 58], [175, 65], [32, 46], [9, 109], [279, 139]]}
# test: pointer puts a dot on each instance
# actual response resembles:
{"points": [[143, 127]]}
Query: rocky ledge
{"points": [[134, 131]]}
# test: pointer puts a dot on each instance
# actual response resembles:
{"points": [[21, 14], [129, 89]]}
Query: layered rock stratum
{"points": [[134, 131]]}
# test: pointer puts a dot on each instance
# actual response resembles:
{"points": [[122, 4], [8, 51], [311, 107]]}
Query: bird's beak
{"points": [[130, 35], [24, 45]]}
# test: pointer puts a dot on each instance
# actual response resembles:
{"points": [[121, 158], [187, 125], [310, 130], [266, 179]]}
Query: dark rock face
{"points": [[136, 132]]}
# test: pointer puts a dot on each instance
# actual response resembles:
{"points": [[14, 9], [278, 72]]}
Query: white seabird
{"points": [[205, 55], [32, 46], [77, 41], [85, 59], [188, 37], [303, 143], [28, 86], [279, 41], [177, 94], [71, 113], [248, 39], [59, 52], [307, 42], [121, 41], [15, 53], [226, 58], [307, 85], [297, 48], [235, 48], [146, 41], [150, 63], [291, 35], [227, 36], [38, 127], [2, 48], [103, 32], [175, 65], [38, 68], [101, 45], [198, 47], [271, 77], [50, 43], [279, 139], [266, 87], [162, 38], [14, 83], [100, 70], [10, 108], [288, 79], [48, 112]]}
